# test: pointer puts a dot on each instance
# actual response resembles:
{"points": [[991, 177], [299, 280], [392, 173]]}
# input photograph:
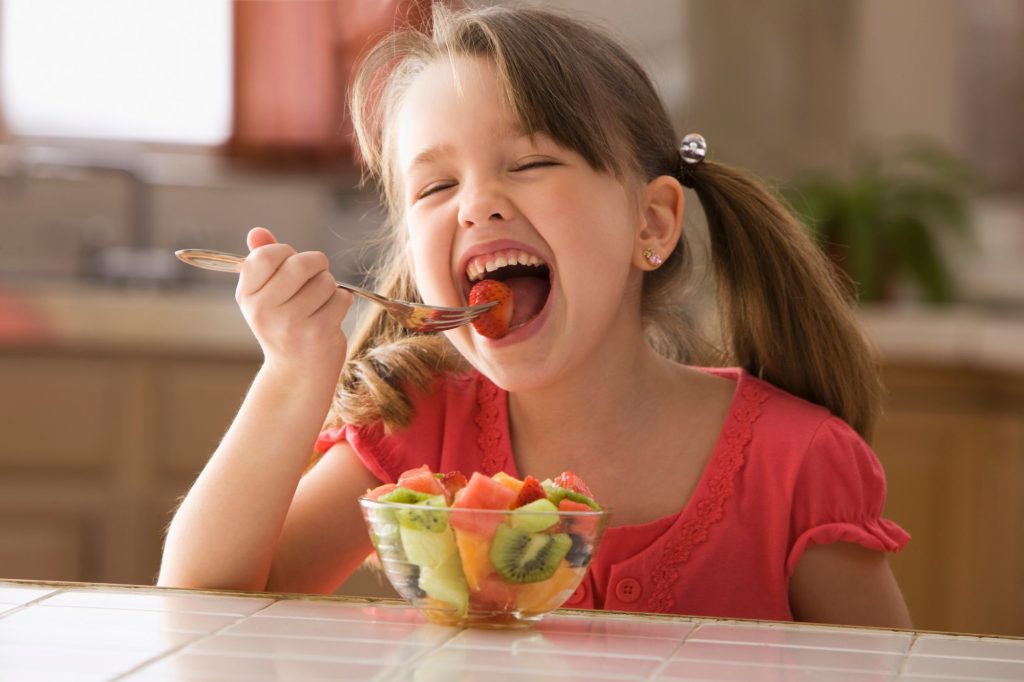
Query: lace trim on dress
{"points": [[708, 507], [487, 420]]}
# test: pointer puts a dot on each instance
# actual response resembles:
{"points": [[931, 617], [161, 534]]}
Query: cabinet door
{"points": [[58, 414], [60, 420], [195, 401], [955, 468]]}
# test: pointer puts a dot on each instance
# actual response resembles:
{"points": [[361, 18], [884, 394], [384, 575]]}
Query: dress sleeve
{"points": [[387, 455], [839, 494], [367, 442]]}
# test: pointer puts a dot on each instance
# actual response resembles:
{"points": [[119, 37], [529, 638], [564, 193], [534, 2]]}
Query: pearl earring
{"points": [[651, 257]]}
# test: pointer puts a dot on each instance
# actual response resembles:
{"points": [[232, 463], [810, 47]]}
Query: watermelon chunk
{"points": [[482, 492], [584, 525], [380, 490], [421, 479], [571, 481]]}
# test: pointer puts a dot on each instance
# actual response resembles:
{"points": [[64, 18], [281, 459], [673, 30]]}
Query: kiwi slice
{"points": [[420, 517], [557, 493], [382, 518], [521, 557], [403, 496]]}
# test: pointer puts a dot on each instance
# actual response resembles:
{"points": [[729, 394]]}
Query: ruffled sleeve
{"points": [[450, 424], [370, 445], [839, 495]]}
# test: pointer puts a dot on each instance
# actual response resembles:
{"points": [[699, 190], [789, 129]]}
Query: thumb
{"points": [[259, 236]]}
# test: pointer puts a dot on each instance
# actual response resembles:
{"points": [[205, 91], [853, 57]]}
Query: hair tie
{"points": [[691, 152]]}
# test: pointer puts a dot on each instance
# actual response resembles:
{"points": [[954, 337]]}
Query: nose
{"points": [[483, 203]]}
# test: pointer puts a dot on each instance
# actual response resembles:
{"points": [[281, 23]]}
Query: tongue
{"points": [[528, 296]]}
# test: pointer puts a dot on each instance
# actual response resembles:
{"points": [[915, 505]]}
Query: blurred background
{"points": [[132, 128]]}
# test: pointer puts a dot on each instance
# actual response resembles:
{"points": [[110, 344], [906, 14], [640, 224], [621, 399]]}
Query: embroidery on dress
{"points": [[708, 509], [487, 417]]}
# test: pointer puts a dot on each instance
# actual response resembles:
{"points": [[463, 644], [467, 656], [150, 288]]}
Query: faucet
{"points": [[138, 260]]}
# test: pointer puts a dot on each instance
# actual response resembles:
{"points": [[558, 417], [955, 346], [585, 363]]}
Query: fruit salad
{"points": [[487, 549]]}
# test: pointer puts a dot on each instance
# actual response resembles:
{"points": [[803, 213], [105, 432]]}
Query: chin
{"points": [[518, 376]]}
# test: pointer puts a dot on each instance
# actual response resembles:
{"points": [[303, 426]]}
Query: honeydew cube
{"points": [[534, 517]]}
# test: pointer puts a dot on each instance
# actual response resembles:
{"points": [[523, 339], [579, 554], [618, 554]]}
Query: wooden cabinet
{"points": [[952, 444], [96, 449]]}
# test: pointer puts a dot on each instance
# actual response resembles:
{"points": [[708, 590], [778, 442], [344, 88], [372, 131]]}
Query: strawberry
{"points": [[453, 481], [494, 323], [571, 481], [531, 490]]}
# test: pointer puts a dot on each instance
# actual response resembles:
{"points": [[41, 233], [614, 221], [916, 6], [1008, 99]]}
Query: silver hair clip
{"points": [[694, 148], [692, 151]]}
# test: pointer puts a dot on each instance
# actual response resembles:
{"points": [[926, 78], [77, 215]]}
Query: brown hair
{"points": [[784, 315]]}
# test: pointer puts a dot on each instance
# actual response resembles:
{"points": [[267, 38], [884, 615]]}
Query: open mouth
{"points": [[528, 276]]}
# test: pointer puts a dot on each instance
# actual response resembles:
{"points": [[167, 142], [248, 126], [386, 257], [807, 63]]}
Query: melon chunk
{"points": [[482, 492]]}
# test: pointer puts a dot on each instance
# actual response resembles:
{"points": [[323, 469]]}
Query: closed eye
{"points": [[434, 189], [536, 163]]}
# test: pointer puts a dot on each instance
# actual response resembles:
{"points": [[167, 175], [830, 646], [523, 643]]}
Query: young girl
{"points": [[525, 146]]}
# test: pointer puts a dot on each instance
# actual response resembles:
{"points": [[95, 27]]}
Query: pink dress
{"points": [[784, 475]]}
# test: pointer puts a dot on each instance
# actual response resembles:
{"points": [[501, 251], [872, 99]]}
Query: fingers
{"points": [[274, 276], [259, 236], [315, 293], [276, 272], [260, 266]]}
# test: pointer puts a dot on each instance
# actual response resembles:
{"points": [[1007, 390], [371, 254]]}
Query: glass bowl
{"points": [[483, 567]]}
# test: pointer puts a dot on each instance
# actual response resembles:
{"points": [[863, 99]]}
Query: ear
{"points": [[661, 220]]}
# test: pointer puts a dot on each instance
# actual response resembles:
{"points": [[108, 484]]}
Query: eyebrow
{"points": [[428, 155], [432, 154]]}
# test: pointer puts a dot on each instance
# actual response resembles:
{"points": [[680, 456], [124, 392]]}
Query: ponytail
{"points": [[785, 316]]}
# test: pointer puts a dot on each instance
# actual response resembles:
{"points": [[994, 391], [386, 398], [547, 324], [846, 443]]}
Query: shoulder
{"points": [[446, 417], [818, 456], [790, 435], [775, 417]]}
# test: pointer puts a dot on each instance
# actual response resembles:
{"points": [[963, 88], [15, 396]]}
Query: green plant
{"points": [[883, 223]]}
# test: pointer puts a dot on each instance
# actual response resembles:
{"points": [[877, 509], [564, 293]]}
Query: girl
{"points": [[525, 146]]}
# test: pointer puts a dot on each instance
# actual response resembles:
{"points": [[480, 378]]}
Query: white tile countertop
{"points": [[83, 632]]}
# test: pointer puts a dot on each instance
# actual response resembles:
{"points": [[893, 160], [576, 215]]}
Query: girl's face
{"points": [[476, 191]]}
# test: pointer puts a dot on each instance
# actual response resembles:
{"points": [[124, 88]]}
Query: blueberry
{"points": [[579, 554]]}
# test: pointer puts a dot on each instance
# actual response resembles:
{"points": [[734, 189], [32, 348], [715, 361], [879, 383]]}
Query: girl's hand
{"points": [[292, 305]]}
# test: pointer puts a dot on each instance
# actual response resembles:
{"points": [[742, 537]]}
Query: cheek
{"points": [[429, 252], [601, 226]]}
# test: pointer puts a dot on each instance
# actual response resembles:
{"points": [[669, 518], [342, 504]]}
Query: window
{"points": [[144, 70]]}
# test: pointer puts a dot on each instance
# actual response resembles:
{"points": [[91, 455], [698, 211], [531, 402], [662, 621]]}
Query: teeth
{"points": [[476, 267]]}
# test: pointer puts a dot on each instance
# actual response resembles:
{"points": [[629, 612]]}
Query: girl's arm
{"points": [[847, 584], [324, 538], [227, 530]]}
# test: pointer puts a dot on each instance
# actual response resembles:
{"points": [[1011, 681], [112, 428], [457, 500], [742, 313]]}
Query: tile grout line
{"points": [[32, 602], [906, 658], [395, 671], [802, 647], [668, 657], [176, 649]]}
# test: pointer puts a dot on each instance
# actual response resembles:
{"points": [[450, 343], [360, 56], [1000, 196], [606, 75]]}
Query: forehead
{"points": [[449, 103]]}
